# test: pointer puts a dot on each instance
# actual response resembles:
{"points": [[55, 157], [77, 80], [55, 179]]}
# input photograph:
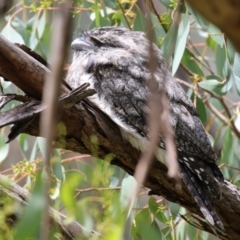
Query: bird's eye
{"points": [[96, 41]]}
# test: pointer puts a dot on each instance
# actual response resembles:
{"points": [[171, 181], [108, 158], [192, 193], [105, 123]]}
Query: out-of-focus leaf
{"points": [[166, 3], [128, 184], [42, 145], [33, 214], [156, 210], [191, 232], [216, 34], [190, 63], [168, 45], [97, 13], [142, 229], [4, 148], [34, 151], [41, 25], [102, 19], [5, 84], [231, 52], [56, 165], [27, 2], [236, 71], [68, 192], [201, 109], [23, 142], [227, 154], [110, 3], [220, 60], [158, 28], [10, 33], [157, 230], [211, 43], [213, 83], [211, 139], [139, 24], [182, 35], [33, 40]]}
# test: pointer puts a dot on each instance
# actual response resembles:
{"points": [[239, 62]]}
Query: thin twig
{"points": [[62, 23], [124, 14]]}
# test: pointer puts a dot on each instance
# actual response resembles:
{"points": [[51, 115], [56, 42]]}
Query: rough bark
{"points": [[84, 120]]}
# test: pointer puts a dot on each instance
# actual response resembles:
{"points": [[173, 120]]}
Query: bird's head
{"points": [[100, 40], [115, 45]]}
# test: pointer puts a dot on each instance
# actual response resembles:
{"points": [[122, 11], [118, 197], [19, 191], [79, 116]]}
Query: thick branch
{"points": [[85, 120]]}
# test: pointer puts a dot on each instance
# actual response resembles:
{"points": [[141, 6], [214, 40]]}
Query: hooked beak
{"points": [[80, 44]]}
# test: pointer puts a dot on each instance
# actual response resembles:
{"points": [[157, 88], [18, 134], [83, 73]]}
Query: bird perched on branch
{"points": [[115, 61]]}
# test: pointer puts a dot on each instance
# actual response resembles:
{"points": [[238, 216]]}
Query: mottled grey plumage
{"points": [[115, 62]]}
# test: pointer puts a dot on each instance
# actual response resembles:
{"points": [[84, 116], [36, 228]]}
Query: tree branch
{"points": [[84, 120]]}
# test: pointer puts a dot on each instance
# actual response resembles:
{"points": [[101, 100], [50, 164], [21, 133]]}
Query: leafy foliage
{"points": [[88, 190]]}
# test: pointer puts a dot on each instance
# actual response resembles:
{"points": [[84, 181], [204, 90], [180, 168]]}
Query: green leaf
{"points": [[213, 83], [139, 24], [220, 60], [236, 71], [182, 35], [68, 192], [41, 25], [166, 3], [23, 140], [128, 184], [201, 109], [190, 63], [200, 20], [227, 154], [32, 214], [168, 45], [4, 148], [158, 28], [42, 145], [155, 208], [142, 228], [211, 43], [216, 34], [231, 52], [11, 34], [97, 13], [57, 165], [5, 84]]}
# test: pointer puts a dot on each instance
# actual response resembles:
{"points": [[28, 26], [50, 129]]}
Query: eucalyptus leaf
{"points": [[155, 208], [57, 165], [227, 154], [220, 60], [139, 24], [4, 148], [32, 214], [236, 71], [216, 34], [168, 45], [182, 35], [214, 84], [41, 25], [10, 33], [190, 63]]}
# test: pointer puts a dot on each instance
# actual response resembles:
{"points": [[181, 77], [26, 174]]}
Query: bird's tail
{"points": [[196, 190]]}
